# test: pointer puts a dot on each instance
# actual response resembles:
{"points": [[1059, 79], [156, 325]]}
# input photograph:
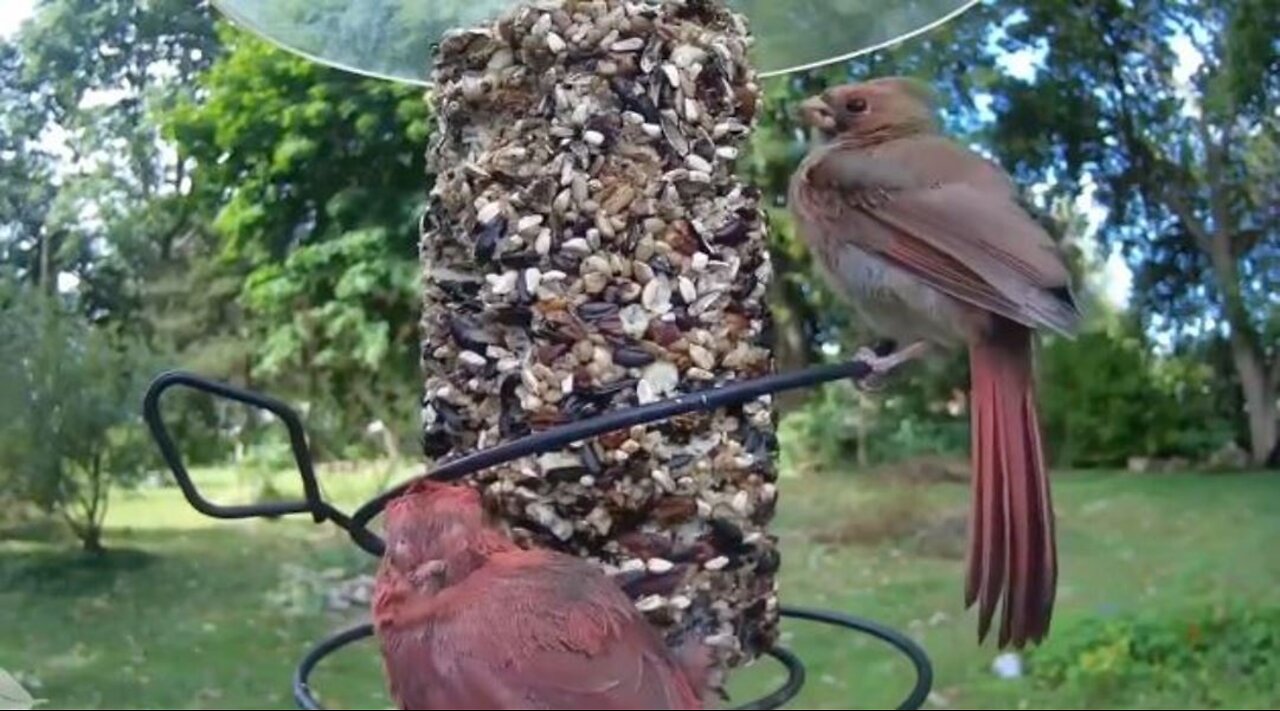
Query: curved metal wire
{"points": [[312, 504], [912, 651], [302, 675], [356, 525], [306, 699], [293, 38], [558, 437]]}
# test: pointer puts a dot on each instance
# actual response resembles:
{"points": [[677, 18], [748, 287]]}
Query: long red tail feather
{"points": [[1012, 547]]}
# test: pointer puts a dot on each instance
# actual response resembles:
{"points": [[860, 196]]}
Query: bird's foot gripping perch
{"points": [[883, 359]]}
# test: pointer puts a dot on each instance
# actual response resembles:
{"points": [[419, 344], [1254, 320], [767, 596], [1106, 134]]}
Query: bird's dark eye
{"points": [[856, 106]]}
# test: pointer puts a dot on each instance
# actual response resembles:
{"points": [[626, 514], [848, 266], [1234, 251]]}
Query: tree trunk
{"points": [[383, 431], [91, 540], [44, 277], [95, 513], [589, 248], [1259, 389], [792, 350], [87, 531], [1260, 402], [390, 445]]}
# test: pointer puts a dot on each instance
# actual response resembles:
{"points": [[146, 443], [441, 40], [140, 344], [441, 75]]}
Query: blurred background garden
{"points": [[175, 193]]}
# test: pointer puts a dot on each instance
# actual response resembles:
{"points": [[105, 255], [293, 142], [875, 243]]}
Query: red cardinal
{"points": [[468, 620], [928, 242]]}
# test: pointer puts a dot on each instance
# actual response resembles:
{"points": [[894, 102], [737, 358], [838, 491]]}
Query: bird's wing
{"points": [[533, 630], [951, 219]]}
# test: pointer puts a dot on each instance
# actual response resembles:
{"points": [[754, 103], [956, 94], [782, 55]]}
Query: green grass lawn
{"points": [[189, 612]]}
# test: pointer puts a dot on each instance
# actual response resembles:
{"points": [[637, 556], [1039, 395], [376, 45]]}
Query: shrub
{"points": [[1207, 658], [70, 411], [1105, 398]]}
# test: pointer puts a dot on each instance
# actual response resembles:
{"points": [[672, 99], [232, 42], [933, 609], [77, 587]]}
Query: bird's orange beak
{"points": [[815, 113]]}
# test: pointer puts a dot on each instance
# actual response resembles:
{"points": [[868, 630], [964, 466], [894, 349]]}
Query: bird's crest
{"points": [[917, 89], [428, 492]]}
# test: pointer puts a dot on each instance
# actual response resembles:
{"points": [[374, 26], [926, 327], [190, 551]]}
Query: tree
{"points": [[26, 188], [1169, 109], [70, 410], [312, 181], [140, 220], [107, 204], [1111, 398], [94, 204]]}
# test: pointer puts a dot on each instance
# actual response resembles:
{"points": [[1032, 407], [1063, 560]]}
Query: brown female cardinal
{"points": [[466, 619], [929, 244]]}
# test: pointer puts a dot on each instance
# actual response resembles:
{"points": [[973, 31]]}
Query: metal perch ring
{"points": [[356, 525]]}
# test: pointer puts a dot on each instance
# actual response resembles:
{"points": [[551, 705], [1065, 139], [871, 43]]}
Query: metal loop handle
{"points": [[312, 503]]}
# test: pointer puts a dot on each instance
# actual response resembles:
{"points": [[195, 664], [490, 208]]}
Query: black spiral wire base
{"points": [[357, 525]]}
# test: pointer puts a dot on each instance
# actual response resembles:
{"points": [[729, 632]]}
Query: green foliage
{"points": [[824, 432], [1210, 658], [26, 192], [328, 293], [96, 205], [92, 193], [70, 404], [244, 209], [1105, 397], [208, 606], [1178, 151], [311, 180], [840, 425], [290, 152], [254, 213]]}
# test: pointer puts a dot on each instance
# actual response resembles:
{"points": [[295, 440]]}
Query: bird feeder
{"points": [[596, 346]]}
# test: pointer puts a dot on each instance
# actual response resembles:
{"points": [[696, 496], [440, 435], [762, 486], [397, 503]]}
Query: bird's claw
{"points": [[882, 365], [873, 381]]}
